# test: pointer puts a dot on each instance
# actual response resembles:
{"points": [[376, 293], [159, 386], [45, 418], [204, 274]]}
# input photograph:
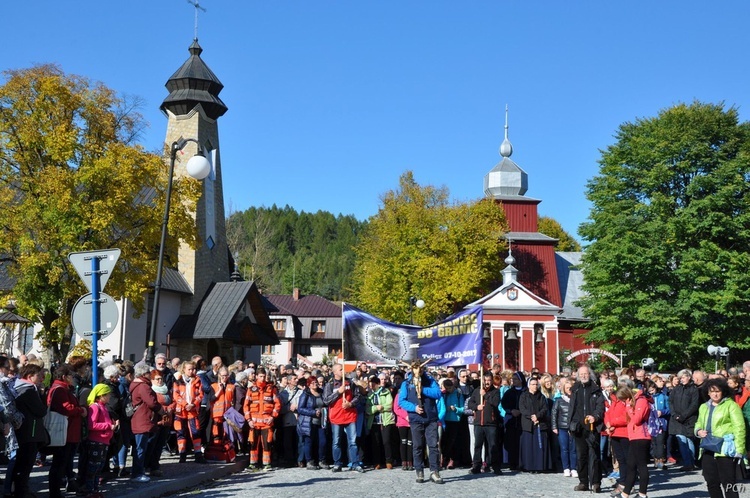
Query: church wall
{"points": [[521, 215], [539, 270]]}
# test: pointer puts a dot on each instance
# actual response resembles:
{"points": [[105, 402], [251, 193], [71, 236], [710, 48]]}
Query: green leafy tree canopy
{"points": [[666, 269]]}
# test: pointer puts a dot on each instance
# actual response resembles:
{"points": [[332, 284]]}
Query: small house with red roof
{"points": [[306, 325]]}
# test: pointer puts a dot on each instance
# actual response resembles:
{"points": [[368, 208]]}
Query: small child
{"points": [[101, 431]]}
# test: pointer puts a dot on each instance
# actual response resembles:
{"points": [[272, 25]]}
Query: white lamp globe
{"points": [[419, 304], [198, 167]]}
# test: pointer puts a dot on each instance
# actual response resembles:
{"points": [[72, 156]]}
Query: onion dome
{"points": [[506, 178]]}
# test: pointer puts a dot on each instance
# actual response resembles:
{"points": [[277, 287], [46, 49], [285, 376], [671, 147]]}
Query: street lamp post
{"points": [[198, 167], [648, 363], [716, 352], [413, 301]]}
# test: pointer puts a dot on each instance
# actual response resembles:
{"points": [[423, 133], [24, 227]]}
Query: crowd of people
{"points": [[582, 425]]}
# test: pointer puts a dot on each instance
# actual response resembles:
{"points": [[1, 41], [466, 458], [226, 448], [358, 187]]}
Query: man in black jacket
{"points": [[586, 424], [466, 428], [485, 402], [684, 403]]}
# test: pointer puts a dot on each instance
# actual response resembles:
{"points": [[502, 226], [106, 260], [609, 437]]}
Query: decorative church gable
{"points": [[515, 297]]}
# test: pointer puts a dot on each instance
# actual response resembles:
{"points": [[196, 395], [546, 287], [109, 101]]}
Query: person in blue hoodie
{"points": [[454, 408], [419, 397], [658, 394]]}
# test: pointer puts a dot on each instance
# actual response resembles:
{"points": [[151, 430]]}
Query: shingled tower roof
{"points": [[194, 83]]}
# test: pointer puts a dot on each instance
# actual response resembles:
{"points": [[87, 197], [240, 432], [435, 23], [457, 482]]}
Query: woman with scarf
{"points": [[534, 444], [510, 403], [163, 424], [143, 421]]}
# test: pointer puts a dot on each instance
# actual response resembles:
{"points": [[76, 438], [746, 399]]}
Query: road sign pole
{"points": [[96, 321], [102, 262]]}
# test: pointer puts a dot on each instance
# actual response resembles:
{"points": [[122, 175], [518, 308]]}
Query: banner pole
{"points": [[343, 355]]}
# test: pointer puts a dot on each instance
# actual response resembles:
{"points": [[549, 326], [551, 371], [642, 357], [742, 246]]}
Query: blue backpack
{"points": [[655, 423]]}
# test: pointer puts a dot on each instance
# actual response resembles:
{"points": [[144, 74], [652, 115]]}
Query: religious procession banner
{"points": [[457, 340]]}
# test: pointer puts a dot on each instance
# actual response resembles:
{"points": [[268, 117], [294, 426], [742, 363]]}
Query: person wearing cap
{"points": [[101, 429], [381, 422]]}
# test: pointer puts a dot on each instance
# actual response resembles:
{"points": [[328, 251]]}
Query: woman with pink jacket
{"points": [[402, 424], [638, 410]]}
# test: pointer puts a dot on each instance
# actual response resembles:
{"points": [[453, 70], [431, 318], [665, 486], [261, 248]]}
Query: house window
{"points": [[269, 349], [279, 325], [318, 329]]}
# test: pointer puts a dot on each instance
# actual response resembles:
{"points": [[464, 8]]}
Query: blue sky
{"points": [[331, 101]]}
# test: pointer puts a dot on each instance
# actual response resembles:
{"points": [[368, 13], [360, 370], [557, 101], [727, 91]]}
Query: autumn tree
{"points": [[420, 244], [73, 179], [552, 228], [669, 231]]}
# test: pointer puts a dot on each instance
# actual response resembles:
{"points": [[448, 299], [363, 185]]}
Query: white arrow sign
{"points": [[81, 261]]}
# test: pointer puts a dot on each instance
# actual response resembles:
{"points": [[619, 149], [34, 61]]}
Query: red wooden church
{"points": [[531, 318]]}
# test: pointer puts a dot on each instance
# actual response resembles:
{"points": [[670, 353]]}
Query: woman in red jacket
{"points": [[616, 422], [60, 399], [638, 410], [143, 422]]}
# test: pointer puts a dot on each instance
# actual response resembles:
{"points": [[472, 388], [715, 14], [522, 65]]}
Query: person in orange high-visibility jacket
{"points": [[261, 406], [222, 398], [187, 397]]}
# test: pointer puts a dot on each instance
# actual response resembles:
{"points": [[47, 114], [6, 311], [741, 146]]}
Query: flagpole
{"points": [[343, 355]]}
